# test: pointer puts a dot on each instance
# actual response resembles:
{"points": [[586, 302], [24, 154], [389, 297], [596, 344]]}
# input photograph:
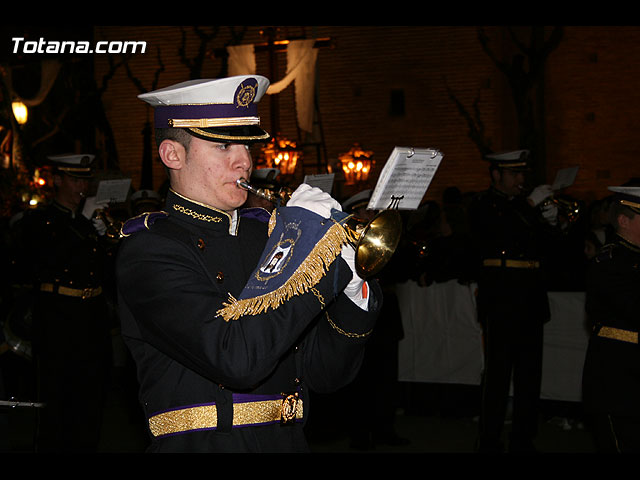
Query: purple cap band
{"points": [[163, 114]]}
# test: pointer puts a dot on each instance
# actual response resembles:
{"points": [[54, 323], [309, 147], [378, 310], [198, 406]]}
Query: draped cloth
{"points": [[242, 60], [301, 63]]}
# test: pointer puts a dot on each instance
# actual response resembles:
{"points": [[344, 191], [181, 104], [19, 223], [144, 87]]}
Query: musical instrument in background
{"points": [[568, 208]]}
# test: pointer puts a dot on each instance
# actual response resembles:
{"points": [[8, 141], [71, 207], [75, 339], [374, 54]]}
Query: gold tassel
{"points": [[272, 221], [305, 277]]}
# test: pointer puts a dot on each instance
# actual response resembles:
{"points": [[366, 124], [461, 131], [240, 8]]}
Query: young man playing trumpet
{"points": [[227, 351]]}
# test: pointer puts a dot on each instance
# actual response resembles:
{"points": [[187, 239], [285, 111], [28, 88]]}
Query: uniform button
{"points": [[201, 244], [220, 277]]}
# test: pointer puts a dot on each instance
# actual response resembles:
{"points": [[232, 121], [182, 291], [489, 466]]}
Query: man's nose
{"points": [[241, 157]]}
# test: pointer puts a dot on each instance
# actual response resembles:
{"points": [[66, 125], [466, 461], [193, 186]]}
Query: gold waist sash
{"points": [[248, 413], [618, 334], [71, 292], [499, 262]]}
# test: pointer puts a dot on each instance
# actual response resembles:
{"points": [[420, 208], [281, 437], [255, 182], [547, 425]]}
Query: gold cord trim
{"points": [[307, 275], [511, 165], [217, 210], [75, 169], [630, 204], [347, 334], [213, 122], [229, 137], [196, 215], [333, 325]]}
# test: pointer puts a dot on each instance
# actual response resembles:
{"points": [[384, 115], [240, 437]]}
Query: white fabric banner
{"points": [[242, 60], [301, 65], [301, 68], [565, 346], [443, 340]]}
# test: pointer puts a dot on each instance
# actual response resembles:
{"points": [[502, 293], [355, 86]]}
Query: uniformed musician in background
{"points": [[509, 232], [226, 349], [611, 374], [58, 252]]}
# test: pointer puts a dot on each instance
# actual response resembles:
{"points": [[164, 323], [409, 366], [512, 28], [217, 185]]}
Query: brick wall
{"points": [[591, 97]]}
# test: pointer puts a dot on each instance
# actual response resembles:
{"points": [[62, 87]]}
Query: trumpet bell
{"points": [[376, 241]]}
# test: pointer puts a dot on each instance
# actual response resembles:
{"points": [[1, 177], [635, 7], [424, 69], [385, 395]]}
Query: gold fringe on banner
{"points": [[306, 276]]}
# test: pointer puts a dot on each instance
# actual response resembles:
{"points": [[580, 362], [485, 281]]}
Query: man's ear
{"points": [[623, 221], [57, 179], [495, 175], [172, 154]]}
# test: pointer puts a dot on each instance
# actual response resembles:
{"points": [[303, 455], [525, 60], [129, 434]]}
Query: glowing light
{"points": [[20, 112], [356, 164], [281, 153]]}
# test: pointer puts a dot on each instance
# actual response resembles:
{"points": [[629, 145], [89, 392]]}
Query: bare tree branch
{"points": [[475, 123]]}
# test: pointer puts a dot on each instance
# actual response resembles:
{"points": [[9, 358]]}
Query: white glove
{"points": [[354, 290], [539, 194], [313, 199], [550, 213], [99, 225]]}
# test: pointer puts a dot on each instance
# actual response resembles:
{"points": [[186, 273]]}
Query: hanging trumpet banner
{"points": [[301, 247], [405, 178]]}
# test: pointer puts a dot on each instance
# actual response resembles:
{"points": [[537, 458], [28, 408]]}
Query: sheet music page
{"points": [[323, 181], [565, 178], [115, 191], [405, 178]]}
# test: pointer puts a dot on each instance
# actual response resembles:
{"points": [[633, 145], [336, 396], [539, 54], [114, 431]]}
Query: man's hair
{"points": [[179, 135], [615, 210]]}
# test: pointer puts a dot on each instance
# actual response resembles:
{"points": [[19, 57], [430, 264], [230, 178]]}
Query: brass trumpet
{"points": [[374, 242], [279, 198], [569, 208], [113, 227]]}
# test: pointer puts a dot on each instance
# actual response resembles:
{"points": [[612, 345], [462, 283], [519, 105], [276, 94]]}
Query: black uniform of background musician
{"points": [[611, 374], [58, 253], [509, 237]]}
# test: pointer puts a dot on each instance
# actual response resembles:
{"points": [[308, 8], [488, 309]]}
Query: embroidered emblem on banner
{"points": [[300, 249], [277, 260]]}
